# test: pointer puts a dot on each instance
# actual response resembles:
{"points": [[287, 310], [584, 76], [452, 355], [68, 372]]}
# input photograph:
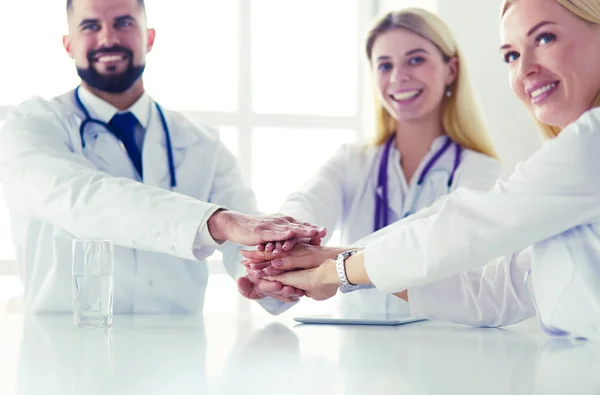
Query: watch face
{"points": [[347, 254]]}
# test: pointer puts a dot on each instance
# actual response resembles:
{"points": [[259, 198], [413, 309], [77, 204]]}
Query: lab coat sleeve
{"points": [[232, 191], [44, 176], [493, 295], [321, 200], [555, 190], [204, 238]]}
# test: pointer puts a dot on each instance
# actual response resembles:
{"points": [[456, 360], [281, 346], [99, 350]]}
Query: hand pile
{"points": [[286, 264]]}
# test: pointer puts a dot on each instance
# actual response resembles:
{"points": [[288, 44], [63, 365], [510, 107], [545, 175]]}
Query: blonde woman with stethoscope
{"points": [[429, 140], [532, 243]]}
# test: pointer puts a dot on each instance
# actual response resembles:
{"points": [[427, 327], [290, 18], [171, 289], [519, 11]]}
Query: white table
{"points": [[229, 354], [237, 350]]}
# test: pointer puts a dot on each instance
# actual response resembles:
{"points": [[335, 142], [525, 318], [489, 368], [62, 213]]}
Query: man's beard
{"points": [[113, 83]]}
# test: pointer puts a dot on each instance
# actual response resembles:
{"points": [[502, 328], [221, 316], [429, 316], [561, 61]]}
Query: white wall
{"points": [[475, 24], [389, 5]]}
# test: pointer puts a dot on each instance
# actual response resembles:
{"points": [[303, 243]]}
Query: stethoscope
{"points": [[382, 201], [89, 120]]}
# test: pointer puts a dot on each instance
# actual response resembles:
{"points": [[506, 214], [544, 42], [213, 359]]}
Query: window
{"points": [[43, 67], [271, 74], [281, 164], [194, 64], [300, 70]]}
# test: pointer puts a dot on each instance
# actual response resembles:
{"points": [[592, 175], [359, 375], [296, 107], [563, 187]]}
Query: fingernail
{"points": [[277, 263], [253, 266]]}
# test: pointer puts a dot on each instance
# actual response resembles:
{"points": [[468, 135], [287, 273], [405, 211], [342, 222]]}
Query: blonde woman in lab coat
{"points": [[430, 139], [532, 243]]}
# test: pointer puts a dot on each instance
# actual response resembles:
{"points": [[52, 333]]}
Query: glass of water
{"points": [[93, 265]]}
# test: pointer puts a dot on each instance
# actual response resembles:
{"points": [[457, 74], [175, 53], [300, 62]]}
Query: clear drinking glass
{"points": [[93, 266]]}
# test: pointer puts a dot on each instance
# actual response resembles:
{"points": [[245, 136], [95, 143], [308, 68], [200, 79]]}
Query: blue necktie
{"points": [[125, 124]]}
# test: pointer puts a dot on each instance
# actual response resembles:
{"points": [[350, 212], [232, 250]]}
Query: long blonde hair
{"points": [[461, 117], [587, 10]]}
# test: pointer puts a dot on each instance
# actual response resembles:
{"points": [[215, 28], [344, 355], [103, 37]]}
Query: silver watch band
{"points": [[340, 266]]}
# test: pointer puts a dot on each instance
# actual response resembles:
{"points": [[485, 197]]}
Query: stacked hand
{"points": [[304, 269], [275, 235], [252, 230]]}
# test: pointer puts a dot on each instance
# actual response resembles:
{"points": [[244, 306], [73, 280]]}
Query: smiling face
{"points": [[410, 74], [553, 58], [109, 40]]}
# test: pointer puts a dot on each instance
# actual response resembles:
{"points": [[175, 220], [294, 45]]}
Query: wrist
{"points": [[217, 225], [329, 274], [333, 252]]}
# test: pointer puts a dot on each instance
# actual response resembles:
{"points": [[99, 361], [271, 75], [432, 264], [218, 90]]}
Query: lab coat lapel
{"points": [[104, 150], [155, 154], [397, 186], [395, 183]]}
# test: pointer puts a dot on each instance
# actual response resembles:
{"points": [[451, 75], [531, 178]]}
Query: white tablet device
{"points": [[372, 319]]}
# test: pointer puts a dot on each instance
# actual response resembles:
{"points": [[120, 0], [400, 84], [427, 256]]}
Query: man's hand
{"points": [[251, 230], [252, 287], [302, 256], [280, 246]]}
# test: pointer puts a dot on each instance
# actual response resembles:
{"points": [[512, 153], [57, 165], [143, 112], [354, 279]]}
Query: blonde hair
{"points": [[461, 118], [587, 10]]}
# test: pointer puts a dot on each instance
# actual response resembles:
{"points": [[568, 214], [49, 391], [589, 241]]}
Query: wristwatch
{"points": [[340, 266]]}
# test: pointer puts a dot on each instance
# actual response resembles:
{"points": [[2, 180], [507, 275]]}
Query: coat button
{"points": [[150, 283]]}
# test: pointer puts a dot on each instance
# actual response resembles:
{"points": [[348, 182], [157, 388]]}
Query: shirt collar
{"points": [[438, 142], [104, 111]]}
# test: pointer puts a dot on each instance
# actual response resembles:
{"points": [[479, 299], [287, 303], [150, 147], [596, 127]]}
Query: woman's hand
{"points": [[302, 256], [318, 283]]}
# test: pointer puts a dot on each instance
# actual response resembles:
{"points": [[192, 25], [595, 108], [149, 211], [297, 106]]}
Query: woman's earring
{"points": [[448, 91]]}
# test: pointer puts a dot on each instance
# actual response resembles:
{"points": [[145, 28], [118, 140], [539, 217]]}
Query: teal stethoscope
{"points": [[382, 201], [89, 120]]}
